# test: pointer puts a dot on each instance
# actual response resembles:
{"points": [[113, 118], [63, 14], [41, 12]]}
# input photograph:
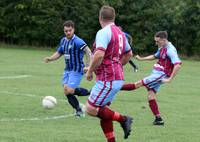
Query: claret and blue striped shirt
{"points": [[112, 41], [73, 51]]}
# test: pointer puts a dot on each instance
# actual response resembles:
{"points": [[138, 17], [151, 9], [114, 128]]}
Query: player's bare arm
{"points": [[88, 54], [97, 60], [150, 57], [55, 56], [174, 72]]}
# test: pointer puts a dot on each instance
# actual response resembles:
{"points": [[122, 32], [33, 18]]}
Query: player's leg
{"points": [[133, 65], [73, 101], [152, 83], [105, 113], [154, 108], [79, 91], [107, 127], [106, 124], [101, 95], [71, 80], [154, 77], [131, 86]]}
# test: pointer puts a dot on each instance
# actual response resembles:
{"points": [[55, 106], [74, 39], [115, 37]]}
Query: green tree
{"points": [[187, 27], [39, 22]]}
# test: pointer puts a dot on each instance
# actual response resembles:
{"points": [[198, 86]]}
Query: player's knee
{"points": [[138, 84], [92, 111], [68, 90], [151, 97]]}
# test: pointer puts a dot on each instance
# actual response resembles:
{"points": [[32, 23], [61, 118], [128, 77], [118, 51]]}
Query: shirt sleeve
{"points": [[81, 43], [157, 54], [60, 49], [103, 38], [172, 54]]}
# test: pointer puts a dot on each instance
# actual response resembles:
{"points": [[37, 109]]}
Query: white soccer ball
{"points": [[49, 102]]}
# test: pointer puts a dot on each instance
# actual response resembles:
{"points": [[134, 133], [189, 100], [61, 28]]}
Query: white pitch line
{"points": [[14, 77], [36, 118], [26, 95], [18, 94]]}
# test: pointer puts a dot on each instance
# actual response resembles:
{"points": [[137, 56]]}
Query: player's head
{"points": [[161, 38], [106, 14], [69, 28]]}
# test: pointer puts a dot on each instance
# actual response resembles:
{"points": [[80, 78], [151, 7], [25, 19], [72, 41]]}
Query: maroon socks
{"points": [[154, 107], [128, 87]]}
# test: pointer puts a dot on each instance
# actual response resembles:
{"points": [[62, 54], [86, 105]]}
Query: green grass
{"points": [[21, 99]]}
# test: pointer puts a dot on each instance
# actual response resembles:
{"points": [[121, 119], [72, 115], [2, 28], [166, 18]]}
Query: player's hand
{"points": [[138, 57], [47, 59], [166, 80], [85, 69], [89, 76]]}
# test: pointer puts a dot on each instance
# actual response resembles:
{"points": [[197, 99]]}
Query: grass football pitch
{"points": [[25, 79]]}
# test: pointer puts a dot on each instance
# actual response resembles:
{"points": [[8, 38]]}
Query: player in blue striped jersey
{"points": [[73, 48]]}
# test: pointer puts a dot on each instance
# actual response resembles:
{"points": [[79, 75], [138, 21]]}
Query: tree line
{"points": [[39, 22]]}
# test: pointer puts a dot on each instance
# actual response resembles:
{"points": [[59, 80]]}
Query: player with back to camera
{"points": [[164, 71], [111, 51], [73, 48]]}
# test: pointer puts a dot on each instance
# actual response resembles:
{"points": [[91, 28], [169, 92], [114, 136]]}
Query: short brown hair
{"points": [[107, 13], [162, 34], [68, 23]]}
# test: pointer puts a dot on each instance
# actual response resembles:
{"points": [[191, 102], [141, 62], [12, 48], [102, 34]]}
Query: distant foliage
{"points": [[39, 22], [186, 28]]}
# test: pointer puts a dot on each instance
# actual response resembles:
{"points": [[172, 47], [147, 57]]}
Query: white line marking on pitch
{"points": [[26, 94], [14, 77], [31, 119], [36, 118], [18, 94]]}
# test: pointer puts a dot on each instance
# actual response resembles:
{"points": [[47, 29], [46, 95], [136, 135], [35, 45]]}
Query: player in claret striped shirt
{"points": [[111, 51], [73, 48], [164, 71]]}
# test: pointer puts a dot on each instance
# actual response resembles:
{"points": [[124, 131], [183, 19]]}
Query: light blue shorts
{"points": [[104, 92], [72, 78], [153, 81]]}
